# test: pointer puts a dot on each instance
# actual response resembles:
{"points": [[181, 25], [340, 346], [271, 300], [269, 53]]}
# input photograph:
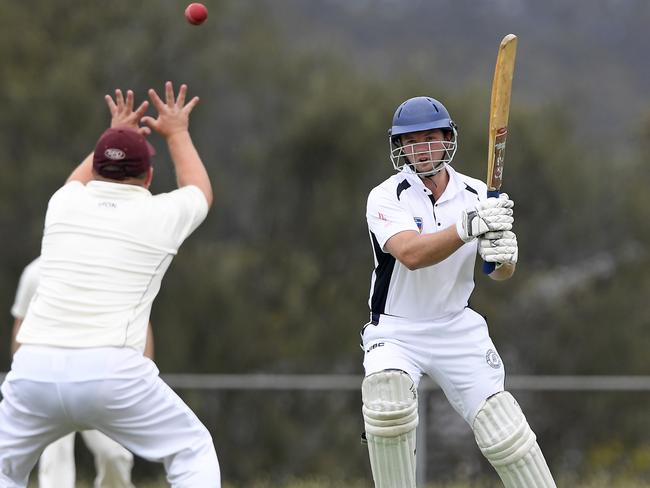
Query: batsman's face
{"points": [[425, 149]]}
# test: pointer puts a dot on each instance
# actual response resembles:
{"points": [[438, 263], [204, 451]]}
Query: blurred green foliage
{"points": [[277, 278]]}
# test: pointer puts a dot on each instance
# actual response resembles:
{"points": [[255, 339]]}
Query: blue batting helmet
{"points": [[418, 114]]}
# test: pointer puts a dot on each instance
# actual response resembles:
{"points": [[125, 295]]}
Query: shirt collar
{"points": [[116, 190], [454, 185]]}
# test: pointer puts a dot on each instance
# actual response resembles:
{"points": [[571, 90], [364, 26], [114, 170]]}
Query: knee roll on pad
{"points": [[389, 403], [391, 417], [508, 443], [501, 430]]}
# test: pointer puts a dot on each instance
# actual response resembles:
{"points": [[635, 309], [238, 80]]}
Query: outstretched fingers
{"points": [[182, 92], [155, 99], [117, 105], [169, 93], [190, 105], [112, 108], [119, 98], [140, 111], [129, 101], [180, 100], [173, 111], [121, 109]]}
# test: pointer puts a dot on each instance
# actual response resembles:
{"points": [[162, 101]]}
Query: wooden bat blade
{"points": [[499, 110]]}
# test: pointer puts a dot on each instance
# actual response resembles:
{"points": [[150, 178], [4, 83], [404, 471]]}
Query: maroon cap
{"points": [[121, 153]]}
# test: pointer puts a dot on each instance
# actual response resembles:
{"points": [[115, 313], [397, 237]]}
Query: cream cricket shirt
{"points": [[106, 247], [400, 203]]}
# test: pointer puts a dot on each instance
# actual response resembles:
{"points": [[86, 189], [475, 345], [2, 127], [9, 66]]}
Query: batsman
{"points": [[426, 223]]}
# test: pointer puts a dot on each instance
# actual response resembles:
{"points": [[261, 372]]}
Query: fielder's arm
{"points": [[83, 172], [14, 333], [173, 124], [148, 346]]}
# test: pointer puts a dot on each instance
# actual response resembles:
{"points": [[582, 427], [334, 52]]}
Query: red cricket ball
{"points": [[196, 13]]}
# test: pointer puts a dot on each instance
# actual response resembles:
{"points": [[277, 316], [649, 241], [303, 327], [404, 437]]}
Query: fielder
{"points": [[56, 466], [426, 224], [107, 243]]}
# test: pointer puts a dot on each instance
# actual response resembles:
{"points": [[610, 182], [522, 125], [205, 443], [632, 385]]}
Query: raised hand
{"points": [[173, 113], [122, 114]]}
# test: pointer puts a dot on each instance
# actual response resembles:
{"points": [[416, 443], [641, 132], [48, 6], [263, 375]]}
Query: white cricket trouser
{"points": [[51, 392], [457, 353]]}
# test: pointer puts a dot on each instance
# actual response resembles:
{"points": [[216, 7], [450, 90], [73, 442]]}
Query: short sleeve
{"points": [[386, 217], [27, 286], [185, 209]]}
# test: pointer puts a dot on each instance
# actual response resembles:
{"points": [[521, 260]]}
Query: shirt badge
{"points": [[418, 222]]}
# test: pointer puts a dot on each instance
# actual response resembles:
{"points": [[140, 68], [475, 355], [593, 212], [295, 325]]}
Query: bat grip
{"points": [[489, 267]]}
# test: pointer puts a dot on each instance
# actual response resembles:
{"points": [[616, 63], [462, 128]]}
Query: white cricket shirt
{"points": [[106, 247], [26, 289], [400, 203]]}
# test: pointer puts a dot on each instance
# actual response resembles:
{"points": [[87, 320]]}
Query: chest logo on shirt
{"points": [[419, 223]]}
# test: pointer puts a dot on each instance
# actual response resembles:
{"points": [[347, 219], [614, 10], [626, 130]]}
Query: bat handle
{"points": [[489, 267]]}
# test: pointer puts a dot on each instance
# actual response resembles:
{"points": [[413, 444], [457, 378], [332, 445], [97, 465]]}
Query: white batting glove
{"points": [[502, 201], [492, 214], [499, 247]]}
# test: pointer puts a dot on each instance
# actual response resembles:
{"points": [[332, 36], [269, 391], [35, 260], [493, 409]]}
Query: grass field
{"points": [[320, 483]]}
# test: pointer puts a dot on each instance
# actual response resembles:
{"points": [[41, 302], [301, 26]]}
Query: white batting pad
{"points": [[507, 441], [390, 415]]}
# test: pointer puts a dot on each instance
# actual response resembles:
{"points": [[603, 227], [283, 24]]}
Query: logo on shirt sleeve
{"points": [[493, 359], [418, 222]]}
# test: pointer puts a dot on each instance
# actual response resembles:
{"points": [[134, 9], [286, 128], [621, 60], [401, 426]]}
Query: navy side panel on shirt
{"points": [[383, 273]]}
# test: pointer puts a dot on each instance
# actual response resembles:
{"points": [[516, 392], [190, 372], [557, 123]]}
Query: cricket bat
{"points": [[499, 111]]}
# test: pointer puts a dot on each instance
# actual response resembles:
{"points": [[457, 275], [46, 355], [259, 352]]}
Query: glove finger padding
{"points": [[493, 236], [497, 219], [499, 247], [493, 211], [498, 239], [502, 256]]}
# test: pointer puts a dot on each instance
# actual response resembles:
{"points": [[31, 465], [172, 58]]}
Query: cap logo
{"points": [[114, 154]]}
